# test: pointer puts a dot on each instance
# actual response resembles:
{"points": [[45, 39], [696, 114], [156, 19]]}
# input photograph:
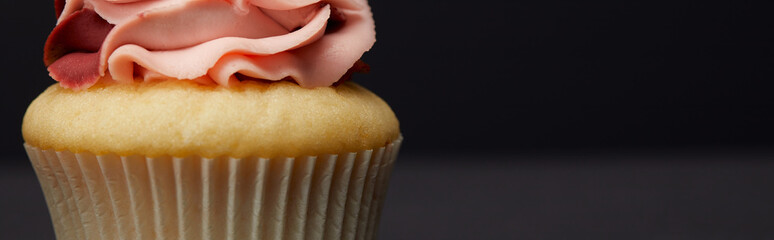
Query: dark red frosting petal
{"points": [[83, 31], [76, 70], [72, 50], [358, 67], [59, 7]]}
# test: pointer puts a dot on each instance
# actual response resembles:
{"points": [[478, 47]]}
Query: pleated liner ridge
{"points": [[113, 197]]}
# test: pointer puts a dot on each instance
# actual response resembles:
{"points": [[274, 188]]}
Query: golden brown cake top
{"points": [[181, 118]]}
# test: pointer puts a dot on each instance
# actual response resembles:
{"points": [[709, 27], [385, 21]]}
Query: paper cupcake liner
{"points": [[111, 197]]}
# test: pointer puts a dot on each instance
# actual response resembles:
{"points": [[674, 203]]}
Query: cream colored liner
{"points": [[110, 197]]}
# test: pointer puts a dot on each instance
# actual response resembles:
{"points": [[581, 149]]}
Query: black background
{"points": [[529, 119], [522, 75], [503, 76]]}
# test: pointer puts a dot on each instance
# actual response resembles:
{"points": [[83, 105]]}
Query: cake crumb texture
{"points": [[182, 118]]}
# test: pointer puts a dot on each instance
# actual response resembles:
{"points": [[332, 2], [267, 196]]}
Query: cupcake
{"points": [[211, 119]]}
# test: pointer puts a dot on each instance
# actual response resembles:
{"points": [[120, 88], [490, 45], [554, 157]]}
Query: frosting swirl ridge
{"points": [[313, 42]]}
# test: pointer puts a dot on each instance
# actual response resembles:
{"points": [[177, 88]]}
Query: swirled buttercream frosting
{"points": [[312, 42]]}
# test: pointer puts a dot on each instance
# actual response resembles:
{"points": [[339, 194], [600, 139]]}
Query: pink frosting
{"points": [[314, 42]]}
